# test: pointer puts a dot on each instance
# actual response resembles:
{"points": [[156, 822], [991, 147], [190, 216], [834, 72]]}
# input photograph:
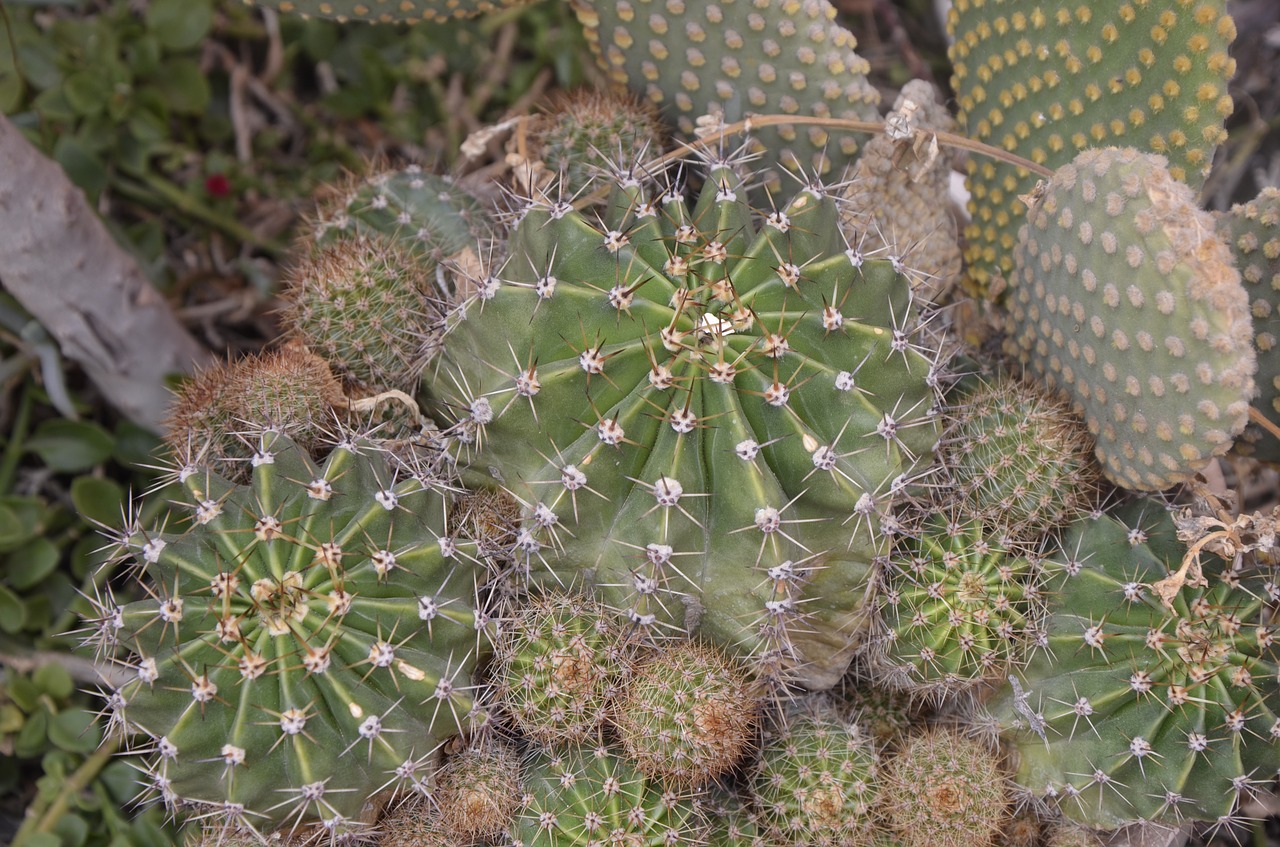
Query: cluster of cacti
{"points": [[1049, 80], [305, 642], [1125, 299], [694, 428]]}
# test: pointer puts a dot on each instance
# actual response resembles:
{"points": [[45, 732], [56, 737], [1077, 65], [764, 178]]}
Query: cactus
{"points": [[1045, 81], [886, 714], [958, 607], [306, 641], [896, 197], [477, 792], [1134, 710], [944, 789], [585, 796], [1018, 459], [289, 390], [688, 714], [560, 662], [389, 11], [1253, 231], [732, 59], [584, 134], [816, 781], [703, 418], [1125, 299]]}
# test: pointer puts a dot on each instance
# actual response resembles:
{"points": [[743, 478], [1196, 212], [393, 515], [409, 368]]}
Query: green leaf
{"points": [[97, 499], [13, 532], [43, 839], [71, 446], [30, 741], [184, 87], [72, 829], [13, 614], [87, 91], [81, 164], [34, 515], [24, 693], [54, 680], [180, 24], [29, 565], [75, 731]]}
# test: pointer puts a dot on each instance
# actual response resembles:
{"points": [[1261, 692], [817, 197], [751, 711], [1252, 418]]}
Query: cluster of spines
{"points": [[1048, 80], [1156, 695], [668, 355], [305, 643], [1126, 300]]}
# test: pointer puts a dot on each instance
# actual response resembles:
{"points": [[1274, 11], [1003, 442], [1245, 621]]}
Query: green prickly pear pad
{"points": [[704, 412], [1133, 710]]}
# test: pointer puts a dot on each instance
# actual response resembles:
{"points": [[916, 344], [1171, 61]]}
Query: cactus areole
{"points": [[704, 411]]}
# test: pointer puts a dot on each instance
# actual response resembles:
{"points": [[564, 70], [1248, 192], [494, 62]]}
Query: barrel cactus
{"points": [[305, 642], [1138, 710], [704, 414]]}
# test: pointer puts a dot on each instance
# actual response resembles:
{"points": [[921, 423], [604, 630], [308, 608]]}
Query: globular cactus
{"points": [[583, 135], [215, 417], [958, 607], [897, 195], [886, 714], [389, 11], [816, 781], [735, 58], [584, 796], [704, 415], [688, 714], [943, 788], [1253, 231], [477, 792], [560, 662], [1136, 710], [1045, 81], [306, 640], [1124, 299], [1018, 458]]}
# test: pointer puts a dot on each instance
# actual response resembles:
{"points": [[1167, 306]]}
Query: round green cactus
{"points": [[958, 607], [816, 781], [704, 414], [1137, 710], [306, 640], [1126, 300], [581, 797]]}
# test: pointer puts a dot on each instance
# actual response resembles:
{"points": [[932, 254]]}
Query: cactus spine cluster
{"points": [[703, 413], [305, 642], [1126, 300], [1140, 709]]}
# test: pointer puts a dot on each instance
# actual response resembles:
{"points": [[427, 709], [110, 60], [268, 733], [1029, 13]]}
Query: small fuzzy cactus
{"points": [[215, 416], [1253, 231], [958, 607], [1045, 81], [816, 781], [477, 791], [1019, 459], [1125, 299], [1137, 709], [584, 796], [943, 789], [560, 662], [306, 640], [703, 414], [688, 714]]}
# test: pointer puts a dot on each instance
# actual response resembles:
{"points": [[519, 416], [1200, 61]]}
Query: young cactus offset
{"points": [[1124, 299], [704, 414], [307, 640], [1045, 81], [1136, 709]]}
